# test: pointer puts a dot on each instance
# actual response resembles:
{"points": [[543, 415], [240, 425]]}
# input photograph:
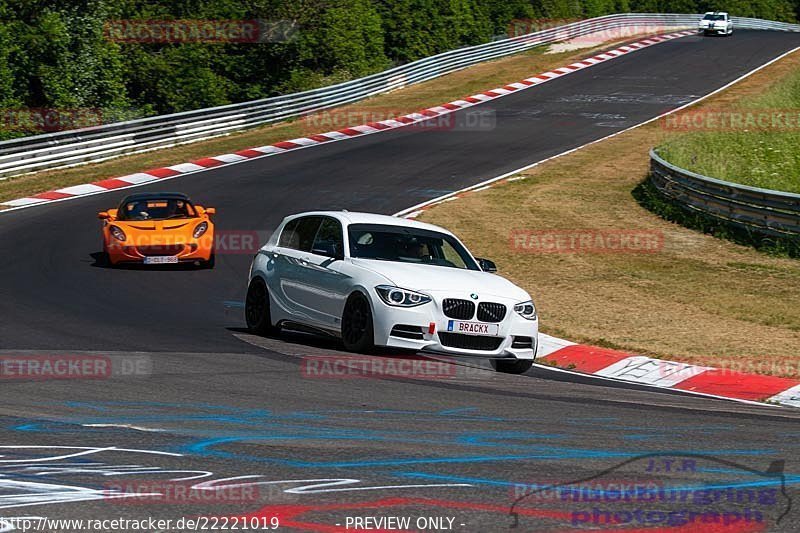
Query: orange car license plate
{"points": [[161, 260]]}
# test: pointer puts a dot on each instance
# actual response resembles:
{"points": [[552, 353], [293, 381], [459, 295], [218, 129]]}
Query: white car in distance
{"points": [[715, 22], [375, 280]]}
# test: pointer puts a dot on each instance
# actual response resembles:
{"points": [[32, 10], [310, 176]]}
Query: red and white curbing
{"points": [[613, 364], [668, 374], [139, 178]]}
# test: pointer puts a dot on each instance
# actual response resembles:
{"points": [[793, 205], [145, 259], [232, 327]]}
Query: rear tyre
{"points": [[357, 327], [512, 366], [256, 309]]}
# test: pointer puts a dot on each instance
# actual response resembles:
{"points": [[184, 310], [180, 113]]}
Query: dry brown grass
{"points": [[469, 81], [699, 299]]}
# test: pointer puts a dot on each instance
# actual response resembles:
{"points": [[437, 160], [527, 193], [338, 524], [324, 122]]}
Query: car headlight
{"points": [[117, 233], [526, 310], [397, 297], [200, 230]]}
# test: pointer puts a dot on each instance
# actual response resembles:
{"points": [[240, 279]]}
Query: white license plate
{"points": [[161, 260], [473, 328]]}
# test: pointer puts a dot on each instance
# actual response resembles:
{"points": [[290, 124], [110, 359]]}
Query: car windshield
{"points": [[408, 245], [156, 209], [714, 17]]}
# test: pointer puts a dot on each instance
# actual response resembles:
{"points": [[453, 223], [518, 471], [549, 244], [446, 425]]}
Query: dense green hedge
{"points": [[55, 54]]}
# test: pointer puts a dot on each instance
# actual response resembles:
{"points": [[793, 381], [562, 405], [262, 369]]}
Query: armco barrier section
{"points": [[763, 211], [68, 148]]}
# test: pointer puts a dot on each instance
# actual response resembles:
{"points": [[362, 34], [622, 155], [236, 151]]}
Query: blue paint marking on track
{"points": [[448, 412], [207, 448], [213, 431], [591, 419], [462, 479], [487, 438], [49, 426], [27, 427]]}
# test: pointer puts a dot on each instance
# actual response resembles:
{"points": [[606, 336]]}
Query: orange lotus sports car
{"points": [[158, 228]]}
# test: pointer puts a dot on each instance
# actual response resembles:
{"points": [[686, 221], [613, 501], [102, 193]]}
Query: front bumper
{"points": [[516, 336], [188, 252], [716, 29]]}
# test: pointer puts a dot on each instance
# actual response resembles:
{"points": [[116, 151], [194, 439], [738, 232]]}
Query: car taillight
{"points": [[200, 230], [117, 233]]}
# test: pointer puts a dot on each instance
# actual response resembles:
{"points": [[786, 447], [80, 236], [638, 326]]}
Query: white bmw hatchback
{"points": [[376, 280]]}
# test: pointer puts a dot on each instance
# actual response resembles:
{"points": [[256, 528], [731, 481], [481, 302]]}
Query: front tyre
{"points": [[256, 309], [357, 327], [512, 366], [104, 259]]}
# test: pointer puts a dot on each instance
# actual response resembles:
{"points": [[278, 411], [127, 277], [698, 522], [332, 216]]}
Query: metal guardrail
{"points": [[75, 147], [763, 211]]}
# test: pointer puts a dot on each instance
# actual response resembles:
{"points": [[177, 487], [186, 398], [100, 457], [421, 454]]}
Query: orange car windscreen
{"points": [[157, 210]]}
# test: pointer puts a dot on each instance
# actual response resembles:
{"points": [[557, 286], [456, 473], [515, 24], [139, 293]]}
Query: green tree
{"points": [[502, 13], [55, 53]]}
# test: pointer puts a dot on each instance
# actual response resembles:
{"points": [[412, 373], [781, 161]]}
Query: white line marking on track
{"points": [[123, 426]]}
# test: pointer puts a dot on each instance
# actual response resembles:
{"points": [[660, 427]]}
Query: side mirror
{"points": [[211, 210], [327, 249], [486, 265], [103, 215]]}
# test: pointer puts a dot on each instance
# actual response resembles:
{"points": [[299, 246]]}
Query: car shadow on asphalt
{"points": [[319, 341], [101, 261], [297, 344]]}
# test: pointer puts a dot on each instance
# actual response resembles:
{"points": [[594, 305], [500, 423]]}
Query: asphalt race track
{"points": [[191, 395]]}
